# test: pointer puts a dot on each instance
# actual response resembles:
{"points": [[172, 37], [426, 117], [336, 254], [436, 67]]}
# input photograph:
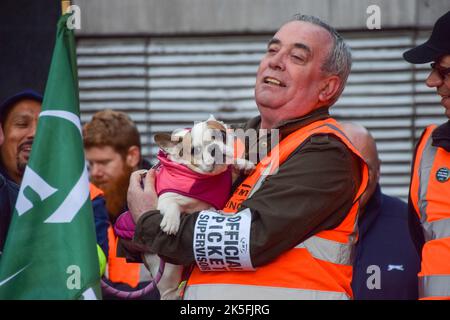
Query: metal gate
{"points": [[168, 83]]}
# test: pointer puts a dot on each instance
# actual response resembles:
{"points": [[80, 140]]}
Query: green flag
{"points": [[50, 251]]}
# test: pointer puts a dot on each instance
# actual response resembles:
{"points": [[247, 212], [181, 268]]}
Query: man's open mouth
{"points": [[276, 82], [25, 148]]}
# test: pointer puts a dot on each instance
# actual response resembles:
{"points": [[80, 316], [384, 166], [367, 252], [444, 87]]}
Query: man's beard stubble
{"points": [[116, 193]]}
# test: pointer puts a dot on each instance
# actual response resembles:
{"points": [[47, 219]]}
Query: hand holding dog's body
{"points": [[171, 205], [141, 200]]}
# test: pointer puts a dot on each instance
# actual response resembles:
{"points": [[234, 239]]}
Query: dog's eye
{"points": [[196, 150], [220, 134]]}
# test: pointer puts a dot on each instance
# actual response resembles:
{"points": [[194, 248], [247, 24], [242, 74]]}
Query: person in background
{"points": [[8, 194], [113, 150], [386, 261], [429, 196], [19, 117]]}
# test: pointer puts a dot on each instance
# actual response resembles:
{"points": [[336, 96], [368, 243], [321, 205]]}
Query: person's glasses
{"points": [[443, 72]]}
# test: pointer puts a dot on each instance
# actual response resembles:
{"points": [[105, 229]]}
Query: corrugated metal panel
{"points": [[167, 83]]}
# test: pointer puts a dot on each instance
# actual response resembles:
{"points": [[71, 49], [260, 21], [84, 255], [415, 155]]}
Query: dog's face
{"points": [[203, 149]]}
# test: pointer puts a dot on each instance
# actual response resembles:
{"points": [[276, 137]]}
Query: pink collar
{"points": [[175, 177]]}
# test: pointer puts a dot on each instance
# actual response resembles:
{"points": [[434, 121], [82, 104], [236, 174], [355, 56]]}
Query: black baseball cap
{"points": [[437, 46], [11, 101]]}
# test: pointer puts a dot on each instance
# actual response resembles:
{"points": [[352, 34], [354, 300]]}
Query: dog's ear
{"points": [[165, 141], [216, 125]]}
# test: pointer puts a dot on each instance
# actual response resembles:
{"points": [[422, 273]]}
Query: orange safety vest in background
{"points": [[118, 269], [318, 268], [430, 196], [94, 191]]}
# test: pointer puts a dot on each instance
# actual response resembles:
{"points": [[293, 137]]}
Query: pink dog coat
{"points": [[174, 177], [177, 178]]}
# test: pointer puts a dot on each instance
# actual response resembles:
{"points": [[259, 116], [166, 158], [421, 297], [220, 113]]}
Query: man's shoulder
{"points": [[8, 194], [252, 123], [326, 142], [2, 181]]}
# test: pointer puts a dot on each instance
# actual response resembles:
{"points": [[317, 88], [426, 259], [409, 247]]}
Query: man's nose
{"points": [[96, 170], [434, 80], [32, 130], [276, 61]]}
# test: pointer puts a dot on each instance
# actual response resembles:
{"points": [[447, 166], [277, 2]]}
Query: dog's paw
{"points": [[170, 223]]}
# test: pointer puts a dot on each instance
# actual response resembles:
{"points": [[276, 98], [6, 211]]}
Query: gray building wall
{"points": [[169, 63], [165, 17]]}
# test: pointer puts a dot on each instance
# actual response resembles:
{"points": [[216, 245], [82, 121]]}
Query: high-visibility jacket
{"points": [[94, 191], [118, 269], [318, 268], [430, 197]]}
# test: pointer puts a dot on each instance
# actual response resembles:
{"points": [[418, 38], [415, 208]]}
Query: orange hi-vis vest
{"points": [[318, 268], [430, 196], [121, 271], [94, 191], [118, 269]]}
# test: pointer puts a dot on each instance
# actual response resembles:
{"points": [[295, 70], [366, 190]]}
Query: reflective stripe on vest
{"points": [[252, 292], [327, 250], [318, 268], [430, 196], [121, 271]]}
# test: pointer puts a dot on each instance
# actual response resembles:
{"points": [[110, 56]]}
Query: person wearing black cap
{"points": [[429, 197], [19, 115], [18, 119], [8, 195]]}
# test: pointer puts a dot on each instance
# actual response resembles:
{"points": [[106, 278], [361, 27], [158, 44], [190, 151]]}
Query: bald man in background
{"points": [[386, 261]]}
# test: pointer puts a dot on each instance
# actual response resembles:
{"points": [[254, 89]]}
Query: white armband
{"points": [[222, 242]]}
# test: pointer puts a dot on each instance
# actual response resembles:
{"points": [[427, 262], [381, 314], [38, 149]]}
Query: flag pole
{"points": [[65, 4]]}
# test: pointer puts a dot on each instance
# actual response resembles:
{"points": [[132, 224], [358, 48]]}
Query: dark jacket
{"points": [[101, 221], [312, 191], [8, 196], [385, 242]]}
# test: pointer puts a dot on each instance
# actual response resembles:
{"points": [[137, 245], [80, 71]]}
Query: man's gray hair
{"points": [[339, 60]]}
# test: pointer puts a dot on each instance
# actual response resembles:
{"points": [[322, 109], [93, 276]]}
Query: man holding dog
{"points": [[293, 232]]}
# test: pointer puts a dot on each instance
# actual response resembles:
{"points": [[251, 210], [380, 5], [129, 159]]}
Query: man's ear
{"points": [[329, 88], [133, 156]]}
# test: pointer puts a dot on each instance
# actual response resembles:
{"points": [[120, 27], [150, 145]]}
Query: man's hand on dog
{"points": [[141, 196]]}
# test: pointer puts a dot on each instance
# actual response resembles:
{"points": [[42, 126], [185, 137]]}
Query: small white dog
{"points": [[194, 174]]}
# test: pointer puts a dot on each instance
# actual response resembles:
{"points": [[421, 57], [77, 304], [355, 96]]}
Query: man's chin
{"points": [[21, 165], [446, 104], [102, 186]]}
